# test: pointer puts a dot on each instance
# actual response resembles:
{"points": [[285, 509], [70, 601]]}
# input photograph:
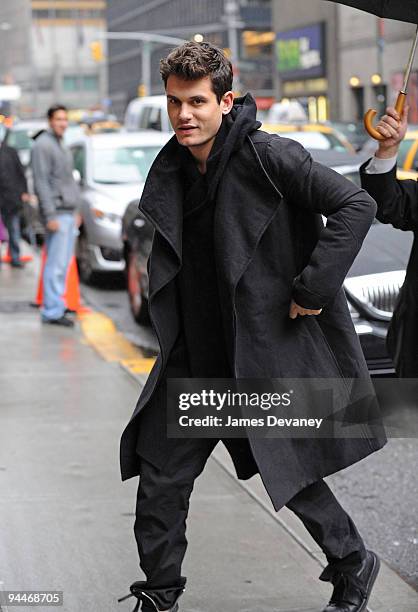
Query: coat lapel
{"points": [[245, 206], [162, 204]]}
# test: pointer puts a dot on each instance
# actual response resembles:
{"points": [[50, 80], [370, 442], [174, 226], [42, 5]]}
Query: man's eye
{"points": [[198, 101]]}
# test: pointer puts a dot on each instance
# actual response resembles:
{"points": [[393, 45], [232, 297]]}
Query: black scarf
{"points": [[204, 334]]}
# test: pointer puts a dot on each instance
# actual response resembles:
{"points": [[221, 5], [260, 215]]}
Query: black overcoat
{"points": [[270, 245], [12, 180], [397, 203]]}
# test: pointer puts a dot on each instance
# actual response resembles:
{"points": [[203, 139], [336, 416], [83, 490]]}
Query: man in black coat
{"points": [[397, 203], [13, 191], [245, 282]]}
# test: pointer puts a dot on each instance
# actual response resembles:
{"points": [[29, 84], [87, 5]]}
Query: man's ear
{"points": [[227, 102]]}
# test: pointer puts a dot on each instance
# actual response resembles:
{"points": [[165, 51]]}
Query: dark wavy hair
{"points": [[54, 109], [192, 61]]}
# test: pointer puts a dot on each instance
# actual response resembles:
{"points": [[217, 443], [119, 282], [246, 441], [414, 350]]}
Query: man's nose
{"points": [[185, 112]]}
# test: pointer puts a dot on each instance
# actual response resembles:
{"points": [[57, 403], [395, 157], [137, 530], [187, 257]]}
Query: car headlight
{"points": [[106, 216]]}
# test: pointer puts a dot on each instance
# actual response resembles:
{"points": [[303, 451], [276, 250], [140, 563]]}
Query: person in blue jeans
{"points": [[59, 198]]}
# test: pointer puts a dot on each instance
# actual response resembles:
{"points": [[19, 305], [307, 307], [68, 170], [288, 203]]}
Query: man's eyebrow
{"points": [[200, 96]]}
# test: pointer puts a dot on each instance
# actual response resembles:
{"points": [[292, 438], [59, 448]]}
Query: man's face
{"points": [[194, 111], [59, 122]]}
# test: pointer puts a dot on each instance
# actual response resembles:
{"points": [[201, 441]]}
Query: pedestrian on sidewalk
{"points": [[397, 203], [59, 200], [13, 191], [245, 282]]}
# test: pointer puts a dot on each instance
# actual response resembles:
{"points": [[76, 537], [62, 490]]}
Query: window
{"points": [[73, 14], [154, 120], [80, 83], [144, 117], [150, 118], [79, 160]]}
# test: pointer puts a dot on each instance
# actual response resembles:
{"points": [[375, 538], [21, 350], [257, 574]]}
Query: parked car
{"points": [[148, 113], [111, 169], [311, 135], [20, 137], [372, 288], [353, 131]]}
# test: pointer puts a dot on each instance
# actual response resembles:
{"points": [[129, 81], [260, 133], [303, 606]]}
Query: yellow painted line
{"points": [[100, 332], [142, 365]]}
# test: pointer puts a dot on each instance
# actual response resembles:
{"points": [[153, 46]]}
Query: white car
{"points": [[148, 113], [111, 170]]}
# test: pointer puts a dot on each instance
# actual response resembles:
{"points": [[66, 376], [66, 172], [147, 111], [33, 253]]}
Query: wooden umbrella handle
{"points": [[371, 114]]}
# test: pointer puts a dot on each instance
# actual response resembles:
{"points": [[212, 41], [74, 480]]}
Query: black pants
{"points": [[162, 507]]}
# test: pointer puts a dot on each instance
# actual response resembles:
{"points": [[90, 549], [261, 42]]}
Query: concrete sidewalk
{"points": [[66, 518]]}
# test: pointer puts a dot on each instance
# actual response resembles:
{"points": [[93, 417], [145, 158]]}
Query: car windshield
{"points": [[20, 139], [316, 140], [123, 164]]}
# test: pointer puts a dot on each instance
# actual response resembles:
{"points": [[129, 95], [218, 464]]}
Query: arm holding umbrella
{"points": [[397, 201], [400, 102]]}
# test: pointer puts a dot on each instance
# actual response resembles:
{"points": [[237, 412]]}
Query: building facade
{"points": [[15, 56], [373, 54], [339, 61], [242, 27], [306, 55], [54, 60]]}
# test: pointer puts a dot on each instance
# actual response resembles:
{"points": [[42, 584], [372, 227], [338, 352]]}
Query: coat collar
{"points": [[246, 204], [162, 197]]}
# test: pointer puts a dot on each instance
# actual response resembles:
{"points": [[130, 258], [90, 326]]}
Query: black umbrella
{"points": [[402, 10]]}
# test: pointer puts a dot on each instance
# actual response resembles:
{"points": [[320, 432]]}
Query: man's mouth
{"points": [[186, 128]]}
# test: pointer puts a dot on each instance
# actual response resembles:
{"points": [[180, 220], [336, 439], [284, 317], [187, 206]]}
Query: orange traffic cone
{"points": [[72, 287], [8, 258]]}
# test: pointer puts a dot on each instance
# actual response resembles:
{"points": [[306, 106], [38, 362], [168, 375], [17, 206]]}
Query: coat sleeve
{"points": [[397, 201], [349, 211], [42, 166]]}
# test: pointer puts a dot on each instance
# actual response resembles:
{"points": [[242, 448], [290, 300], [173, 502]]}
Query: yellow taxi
{"points": [[408, 156], [311, 135]]}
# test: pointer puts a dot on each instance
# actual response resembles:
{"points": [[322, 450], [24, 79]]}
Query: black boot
{"points": [[352, 588], [148, 598]]}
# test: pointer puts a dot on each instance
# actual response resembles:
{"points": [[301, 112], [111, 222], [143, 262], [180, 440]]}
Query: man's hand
{"points": [[393, 128], [25, 197], [78, 220], [53, 225], [296, 310]]}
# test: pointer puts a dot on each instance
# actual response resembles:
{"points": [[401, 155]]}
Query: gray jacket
{"points": [[54, 183]]}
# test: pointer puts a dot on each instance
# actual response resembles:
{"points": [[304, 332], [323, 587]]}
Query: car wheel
{"points": [[137, 301], [87, 274]]}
